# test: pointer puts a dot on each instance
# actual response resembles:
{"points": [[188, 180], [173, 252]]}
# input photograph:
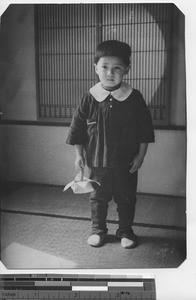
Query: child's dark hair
{"points": [[113, 48]]}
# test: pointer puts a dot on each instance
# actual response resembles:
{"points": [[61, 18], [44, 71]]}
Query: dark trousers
{"points": [[119, 184]]}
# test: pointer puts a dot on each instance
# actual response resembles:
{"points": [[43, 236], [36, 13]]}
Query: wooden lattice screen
{"points": [[66, 38]]}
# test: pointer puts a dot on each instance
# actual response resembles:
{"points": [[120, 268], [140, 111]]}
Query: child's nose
{"points": [[110, 72]]}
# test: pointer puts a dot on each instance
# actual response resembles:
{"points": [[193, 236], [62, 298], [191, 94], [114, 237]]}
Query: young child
{"points": [[111, 129]]}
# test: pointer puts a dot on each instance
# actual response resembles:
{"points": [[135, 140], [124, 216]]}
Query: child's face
{"points": [[111, 70]]}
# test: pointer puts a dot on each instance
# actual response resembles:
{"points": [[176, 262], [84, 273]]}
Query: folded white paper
{"points": [[81, 185]]}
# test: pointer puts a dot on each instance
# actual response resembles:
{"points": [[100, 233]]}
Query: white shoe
{"points": [[96, 240], [127, 243]]}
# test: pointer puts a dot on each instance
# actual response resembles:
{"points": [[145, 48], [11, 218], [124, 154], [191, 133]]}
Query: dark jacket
{"points": [[111, 130]]}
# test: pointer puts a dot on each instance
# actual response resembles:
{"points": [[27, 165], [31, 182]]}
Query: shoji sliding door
{"points": [[67, 36], [146, 28], [66, 39]]}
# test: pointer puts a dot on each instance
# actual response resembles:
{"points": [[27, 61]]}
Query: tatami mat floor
{"points": [[43, 227]]}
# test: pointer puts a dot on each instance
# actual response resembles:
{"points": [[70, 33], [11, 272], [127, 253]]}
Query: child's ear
{"points": [[128, 69], [96, 71]]}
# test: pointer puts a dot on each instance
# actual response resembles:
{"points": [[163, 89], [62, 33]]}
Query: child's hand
{"points": [[136, 164], [139, 158], [79, 163]]}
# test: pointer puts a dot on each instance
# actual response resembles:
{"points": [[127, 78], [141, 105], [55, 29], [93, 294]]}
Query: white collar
{"points": [[121, 94]]}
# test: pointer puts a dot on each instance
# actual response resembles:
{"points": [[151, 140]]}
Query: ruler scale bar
{"points": [[72, 286], [80, 295]]}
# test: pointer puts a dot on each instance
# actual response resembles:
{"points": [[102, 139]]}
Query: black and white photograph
{"points": [[93, 139]]}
